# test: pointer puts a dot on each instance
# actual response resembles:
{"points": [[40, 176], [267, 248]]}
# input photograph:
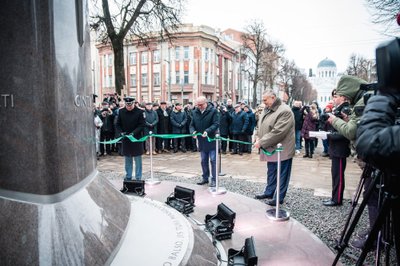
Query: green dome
{"points": [[326, 63]]}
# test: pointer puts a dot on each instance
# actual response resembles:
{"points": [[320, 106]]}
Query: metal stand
{"points": [[151, 180], [220, 164], [217, 190], [276, 214]]}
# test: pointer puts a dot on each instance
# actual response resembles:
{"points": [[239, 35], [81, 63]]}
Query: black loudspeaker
{"points": [[182, 199], [221, 224], [134, 186], [246, 256]]}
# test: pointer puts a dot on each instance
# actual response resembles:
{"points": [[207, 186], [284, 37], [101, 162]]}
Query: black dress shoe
{"points": [[262, 196], [326, 200], [273, 202], [330, 203], [202, 182]]}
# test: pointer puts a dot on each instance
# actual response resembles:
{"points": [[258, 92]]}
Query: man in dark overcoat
{"points": [[206, 121], [131, 121]]}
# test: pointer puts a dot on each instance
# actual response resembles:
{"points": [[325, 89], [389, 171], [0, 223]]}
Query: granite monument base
{"points": [[83, 225]]}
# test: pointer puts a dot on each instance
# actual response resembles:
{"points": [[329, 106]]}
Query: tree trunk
{"points": [[118, 49], [254, 103]]}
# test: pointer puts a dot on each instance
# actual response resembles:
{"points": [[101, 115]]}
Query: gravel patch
{"points": [[326, 223]]}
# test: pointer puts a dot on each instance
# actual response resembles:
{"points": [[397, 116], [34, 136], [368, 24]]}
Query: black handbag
{"points": [[134, 186]]}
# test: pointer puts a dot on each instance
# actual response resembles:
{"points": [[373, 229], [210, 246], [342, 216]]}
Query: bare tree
{"points": [[113, 21], [385, 12], [294, 83], [270, 64], [255, 44], [362, 68]]}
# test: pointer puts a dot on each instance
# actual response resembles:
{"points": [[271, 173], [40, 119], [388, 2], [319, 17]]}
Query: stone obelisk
{"points": [[54, 209]]}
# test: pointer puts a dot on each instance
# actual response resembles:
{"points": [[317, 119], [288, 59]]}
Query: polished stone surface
{"points": [[85, 228], [277, 243]]}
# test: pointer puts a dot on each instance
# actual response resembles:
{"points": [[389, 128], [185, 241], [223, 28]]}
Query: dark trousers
{"points": [[179, 142], [286, 169], [238, 147], [337, 169], [105, 136], [208, 157], [224, 143], [372, 202], [309, 145]]}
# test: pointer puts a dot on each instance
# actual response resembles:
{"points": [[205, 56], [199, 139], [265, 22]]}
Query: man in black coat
{"points": [[131, 121], [163, 145], [206, 121]]}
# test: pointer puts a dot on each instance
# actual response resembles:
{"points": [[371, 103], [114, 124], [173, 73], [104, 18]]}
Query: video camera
{"points": [[388, 66]]}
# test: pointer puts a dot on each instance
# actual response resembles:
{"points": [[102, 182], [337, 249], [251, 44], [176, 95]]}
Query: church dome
{"points": [[326, 63]]}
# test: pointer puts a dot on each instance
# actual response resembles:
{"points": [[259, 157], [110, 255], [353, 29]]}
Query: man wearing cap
{"points": [[276, 125], [131, 121], [206, 121], [178, 122], [163, 145]]}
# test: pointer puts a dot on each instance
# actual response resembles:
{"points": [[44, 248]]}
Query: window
{"points": [[186, 52], [156, 56], [156, 77], [206, 77], [144, 79], [110, 60], [177, 78], [186, 77], [133, 80], [144, 58], [132, 59], [206, 55], [177, 53]]}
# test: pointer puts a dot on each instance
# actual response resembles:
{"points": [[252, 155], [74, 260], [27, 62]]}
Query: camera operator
{"points": [[345, 121], [378, 137]]}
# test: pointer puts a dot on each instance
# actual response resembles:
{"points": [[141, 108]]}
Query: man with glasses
{"points": [[206, 121], [131, 121]]}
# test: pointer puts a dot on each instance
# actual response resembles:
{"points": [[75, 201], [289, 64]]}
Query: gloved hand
{"points": [[205, 134]]}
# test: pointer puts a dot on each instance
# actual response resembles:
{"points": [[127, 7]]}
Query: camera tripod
{"points": [[384, 231]]}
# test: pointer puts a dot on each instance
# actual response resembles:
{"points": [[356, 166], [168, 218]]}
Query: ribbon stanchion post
{"points": [[277, 214], [217, 190], [151, 180], [220, 162]]}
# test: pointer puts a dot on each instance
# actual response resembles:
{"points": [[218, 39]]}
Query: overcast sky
{"points": [[310, 30]]}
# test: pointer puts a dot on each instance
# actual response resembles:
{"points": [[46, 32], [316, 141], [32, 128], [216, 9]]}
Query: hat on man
{"points": [[105, 103], [149, 103], [163, 102], [236, 105], [129, 100], [176, 104], [348, 86], [329, 105], [155, 104]]}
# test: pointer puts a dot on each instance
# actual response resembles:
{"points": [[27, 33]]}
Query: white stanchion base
{"points": [[152, 181], [282, 215], [215, 191]]}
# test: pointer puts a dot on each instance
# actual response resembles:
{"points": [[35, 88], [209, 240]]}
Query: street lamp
{"points": [[169, 74], [182, 90]]}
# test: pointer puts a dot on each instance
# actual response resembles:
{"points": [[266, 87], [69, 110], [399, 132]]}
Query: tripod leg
{"points": [[354, 203], [384, 211], [355, 220]]}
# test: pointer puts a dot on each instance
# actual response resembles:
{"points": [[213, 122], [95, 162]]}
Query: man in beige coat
{"points": [[276, 125]]}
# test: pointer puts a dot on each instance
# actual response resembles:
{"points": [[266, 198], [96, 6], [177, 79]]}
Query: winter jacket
{"points": [[276, 125], [252, 123], [163, 121], [151, 121], [378, 137], [309, 124], [240, 122], [224, 123], [178, 121], [298, 117], [131, 122], [207, 121]]}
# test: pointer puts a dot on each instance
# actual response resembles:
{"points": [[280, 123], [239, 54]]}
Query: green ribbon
{"points": [[175, 136]]}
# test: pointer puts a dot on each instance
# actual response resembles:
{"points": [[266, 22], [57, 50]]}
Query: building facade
{"points": [[325, 80], [197, 61]]}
